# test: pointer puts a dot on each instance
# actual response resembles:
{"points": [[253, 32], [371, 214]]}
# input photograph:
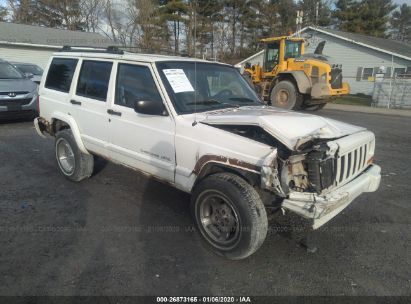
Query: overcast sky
{"points": [[402, 1]]}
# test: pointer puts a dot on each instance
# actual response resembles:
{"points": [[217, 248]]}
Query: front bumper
{"points": [[323, 91], [322, 208], [342, 91], [16, 107]]}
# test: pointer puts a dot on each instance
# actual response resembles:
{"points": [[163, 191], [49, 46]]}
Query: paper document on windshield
{"points": [[178, 80]]}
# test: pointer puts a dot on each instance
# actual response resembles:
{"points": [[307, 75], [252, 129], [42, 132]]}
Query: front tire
{"points": [[229, 215], [285, 95], [73, 164]]}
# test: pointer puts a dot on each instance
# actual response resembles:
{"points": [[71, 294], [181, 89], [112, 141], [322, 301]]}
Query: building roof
{"points": [[389, 46], [270, 39], [39, 36]]}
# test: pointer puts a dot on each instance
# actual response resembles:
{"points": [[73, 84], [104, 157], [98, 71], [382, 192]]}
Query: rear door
{"points": [[55, 90], [144, 142], [90, 103]]}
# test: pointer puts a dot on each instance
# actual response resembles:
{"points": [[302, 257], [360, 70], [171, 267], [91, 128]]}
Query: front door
{"points": [[144, 142], [272, 55]]}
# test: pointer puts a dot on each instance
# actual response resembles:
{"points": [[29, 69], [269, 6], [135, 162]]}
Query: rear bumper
{"points": [[322, 208]]}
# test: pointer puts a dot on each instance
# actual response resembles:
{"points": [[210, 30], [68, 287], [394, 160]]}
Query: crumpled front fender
{"points": [[270, 174]]}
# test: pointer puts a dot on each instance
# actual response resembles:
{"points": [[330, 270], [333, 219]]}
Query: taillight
{"points": [[38, 104]]}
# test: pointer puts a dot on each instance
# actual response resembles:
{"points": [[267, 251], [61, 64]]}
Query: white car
{"points": [[200, 127]]}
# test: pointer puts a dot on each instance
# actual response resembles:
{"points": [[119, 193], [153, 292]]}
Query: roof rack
{"points": [[86, 49]]}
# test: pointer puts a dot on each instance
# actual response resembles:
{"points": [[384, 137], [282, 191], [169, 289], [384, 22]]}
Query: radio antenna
{"points": [[195, 64]]}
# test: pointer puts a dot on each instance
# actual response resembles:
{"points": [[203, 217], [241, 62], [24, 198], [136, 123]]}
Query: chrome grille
{"points": [[10, 102], [352, 163]]}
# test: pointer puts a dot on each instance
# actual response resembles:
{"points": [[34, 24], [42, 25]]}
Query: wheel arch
{"points": [[211, 164], [60, 121], [299, 78]]}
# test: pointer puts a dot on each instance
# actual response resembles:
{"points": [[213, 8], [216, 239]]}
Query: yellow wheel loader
{"points": [[291, 79]]}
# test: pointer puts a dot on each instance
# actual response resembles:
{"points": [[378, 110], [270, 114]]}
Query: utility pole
{"points": [[299, 21]]}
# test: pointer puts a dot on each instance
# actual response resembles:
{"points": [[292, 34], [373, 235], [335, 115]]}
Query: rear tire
{"points": [[285, 95], [229, 215], [73, 164], [315, 107]]}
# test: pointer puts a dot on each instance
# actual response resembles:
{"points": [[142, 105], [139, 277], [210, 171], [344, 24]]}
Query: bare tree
{"points": [[91, 11], [21, 11]]}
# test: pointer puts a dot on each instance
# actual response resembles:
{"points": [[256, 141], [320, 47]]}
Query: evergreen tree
{"points": [[401, 23], [268, 18], [174, 11], [232, 13], [369, 17], [316, 12], [249, 25], [208, 13], [375, 15], [153, 31], [286, 10]]}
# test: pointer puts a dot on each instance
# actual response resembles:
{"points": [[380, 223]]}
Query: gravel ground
{"points": [[120, 233]]}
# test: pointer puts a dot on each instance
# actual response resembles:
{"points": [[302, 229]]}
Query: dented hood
{"points": [[291, 128]]}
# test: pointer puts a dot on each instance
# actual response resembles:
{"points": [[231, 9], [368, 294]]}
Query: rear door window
{"points": [[94, 79], [60, 74]]}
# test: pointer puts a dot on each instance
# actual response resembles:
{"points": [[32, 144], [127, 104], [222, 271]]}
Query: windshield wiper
{"points": [[211, 101], [243, 99]]}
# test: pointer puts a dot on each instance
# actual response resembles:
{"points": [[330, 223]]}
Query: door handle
{"points": [[75, 102], [112, 112]]}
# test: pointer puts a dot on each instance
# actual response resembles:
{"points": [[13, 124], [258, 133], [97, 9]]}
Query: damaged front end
{"points": [[318, 166], [322, 180]]}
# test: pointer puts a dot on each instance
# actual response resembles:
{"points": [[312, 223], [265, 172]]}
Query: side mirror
{"points": [[150, 107], [28, 75]]}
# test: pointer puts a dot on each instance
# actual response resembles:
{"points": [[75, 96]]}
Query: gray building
{"points": [[361, 56], [35, 44]]}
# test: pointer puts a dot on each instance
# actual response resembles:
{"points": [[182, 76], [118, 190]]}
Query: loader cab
{"points": [[277, 50]]}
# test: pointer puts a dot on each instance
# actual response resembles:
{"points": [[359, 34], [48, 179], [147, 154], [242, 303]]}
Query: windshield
{"points": [[205, 86], [292, 49], [7, 71], [29, 68]]}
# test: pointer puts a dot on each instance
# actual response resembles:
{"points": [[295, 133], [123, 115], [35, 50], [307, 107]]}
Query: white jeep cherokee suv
{"points": [[200, 127]]}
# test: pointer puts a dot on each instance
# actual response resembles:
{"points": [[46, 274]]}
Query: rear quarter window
{"points": [[60, 74]]}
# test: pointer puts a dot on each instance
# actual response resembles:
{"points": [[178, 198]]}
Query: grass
{"points": [[356, 100]]}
